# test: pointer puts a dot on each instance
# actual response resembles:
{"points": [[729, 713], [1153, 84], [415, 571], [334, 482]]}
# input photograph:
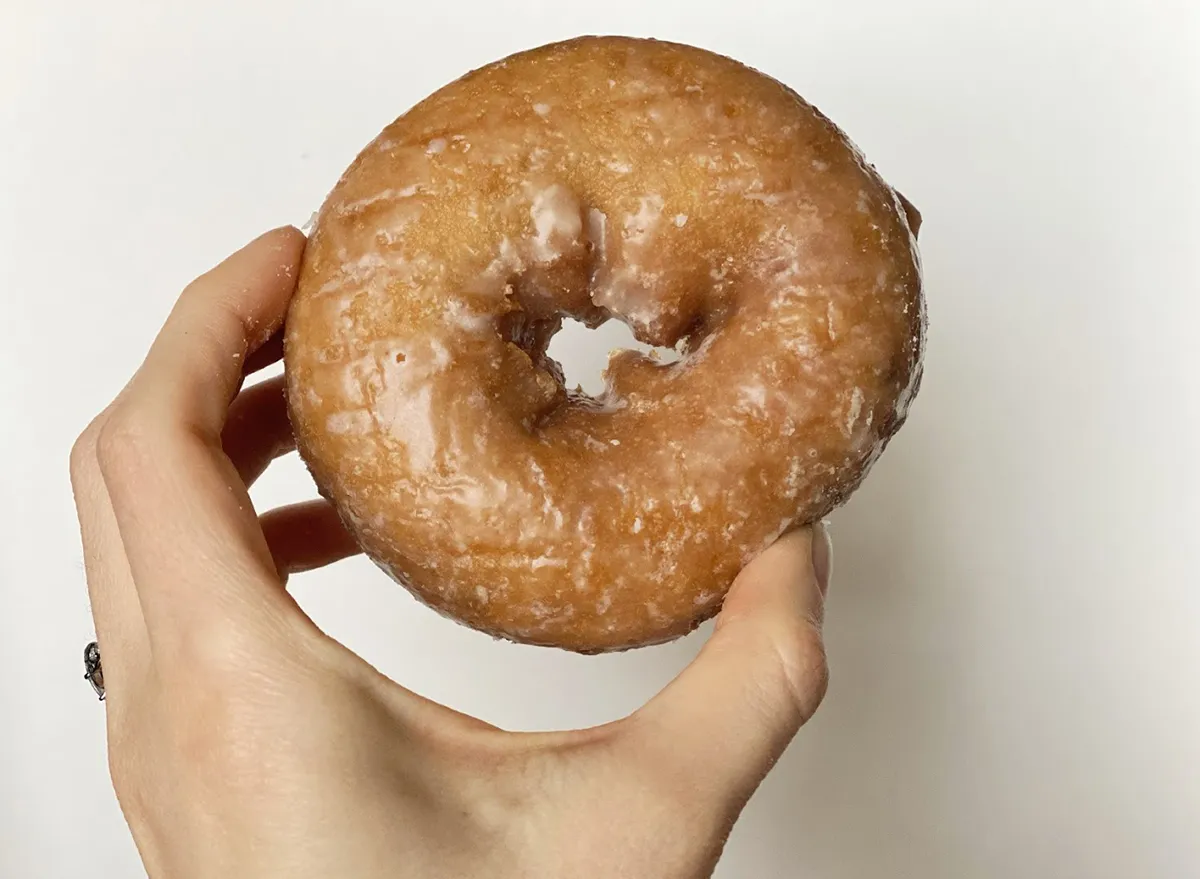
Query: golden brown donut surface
{"points": [[700, 202]]}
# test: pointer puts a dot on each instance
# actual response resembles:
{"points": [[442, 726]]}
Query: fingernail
{"points": [[822, 555]]}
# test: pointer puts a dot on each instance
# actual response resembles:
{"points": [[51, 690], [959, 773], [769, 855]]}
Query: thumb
{"points": [[725, 720]]}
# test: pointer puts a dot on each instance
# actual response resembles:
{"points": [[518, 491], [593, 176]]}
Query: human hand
{"points": [[244, 742]]}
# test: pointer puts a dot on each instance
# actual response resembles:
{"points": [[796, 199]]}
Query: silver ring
{"points": [[93, 671]]}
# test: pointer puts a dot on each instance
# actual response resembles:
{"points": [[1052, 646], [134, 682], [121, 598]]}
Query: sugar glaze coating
{"points": [[700, 202]]}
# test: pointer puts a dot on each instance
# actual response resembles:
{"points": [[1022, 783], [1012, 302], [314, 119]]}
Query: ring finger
{"points": [[257, 430]]}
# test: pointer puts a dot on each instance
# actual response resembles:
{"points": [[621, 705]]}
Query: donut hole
{"points": [[596, 313], [583, 352], [554, 319]]}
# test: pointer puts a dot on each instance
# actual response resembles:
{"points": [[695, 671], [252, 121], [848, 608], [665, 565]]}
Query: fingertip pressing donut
{"points": [[700, 202]]}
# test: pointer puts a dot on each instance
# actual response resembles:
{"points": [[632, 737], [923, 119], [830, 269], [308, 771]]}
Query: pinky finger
{"points": [[306, 536]]}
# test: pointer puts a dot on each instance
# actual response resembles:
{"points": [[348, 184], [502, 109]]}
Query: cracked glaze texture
{"points": [[700, 202]]}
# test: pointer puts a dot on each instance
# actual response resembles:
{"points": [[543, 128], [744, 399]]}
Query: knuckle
{"points": [[222, 655], [83, 457], [215, 322], [123, 443], [229, 735], [231, 666], [803, 667], [232, 703], [221, 732]]}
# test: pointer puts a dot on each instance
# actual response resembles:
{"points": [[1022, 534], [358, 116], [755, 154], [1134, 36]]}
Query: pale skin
{"points": [[245, 742]]}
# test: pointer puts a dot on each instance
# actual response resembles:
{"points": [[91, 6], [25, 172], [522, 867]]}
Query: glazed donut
{"points": [[702, 203]]}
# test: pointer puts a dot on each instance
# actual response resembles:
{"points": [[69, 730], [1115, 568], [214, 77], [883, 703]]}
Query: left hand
{"points": [[243, 742]]}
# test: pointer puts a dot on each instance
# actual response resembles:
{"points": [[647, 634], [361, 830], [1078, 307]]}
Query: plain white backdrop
{"points": [[1014, 623]]}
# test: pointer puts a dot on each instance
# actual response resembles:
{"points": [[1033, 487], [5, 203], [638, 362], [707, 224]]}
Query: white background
{"points": [[1014, 625]]}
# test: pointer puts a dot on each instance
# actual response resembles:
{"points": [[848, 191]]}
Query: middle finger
{"points": [[257, 430]]}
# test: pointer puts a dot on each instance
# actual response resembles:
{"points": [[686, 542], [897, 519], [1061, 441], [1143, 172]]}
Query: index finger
{"points": [[225, 316], [192, 538]]}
